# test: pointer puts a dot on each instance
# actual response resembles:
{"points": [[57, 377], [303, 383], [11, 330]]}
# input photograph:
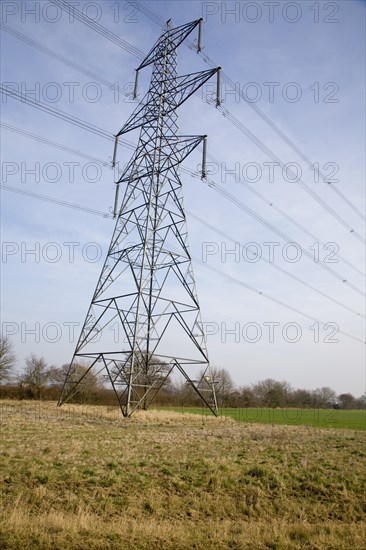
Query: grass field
{"points": [[81, 477], [318, 418]]}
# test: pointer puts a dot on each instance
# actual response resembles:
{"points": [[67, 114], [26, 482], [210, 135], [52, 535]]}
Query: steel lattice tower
{"points": [[144, 318]]}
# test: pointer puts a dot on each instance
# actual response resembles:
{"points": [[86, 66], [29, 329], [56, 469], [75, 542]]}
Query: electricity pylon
{"points": [[144, 318]]}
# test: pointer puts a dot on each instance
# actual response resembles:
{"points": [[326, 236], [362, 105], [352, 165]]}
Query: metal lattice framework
{"points": [[144, 318]]}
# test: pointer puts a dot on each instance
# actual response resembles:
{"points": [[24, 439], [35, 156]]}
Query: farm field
{"points": [[81, 477], [317, 418]]}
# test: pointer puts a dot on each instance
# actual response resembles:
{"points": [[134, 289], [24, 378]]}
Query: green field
{"points": [[317, 418], [81, 477]]}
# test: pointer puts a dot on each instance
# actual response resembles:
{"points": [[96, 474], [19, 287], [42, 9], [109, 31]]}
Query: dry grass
{"points": [[48, 410], [82, 477]]}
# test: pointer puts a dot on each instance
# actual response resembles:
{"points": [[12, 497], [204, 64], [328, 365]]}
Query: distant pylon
{"points": [[144, 318]]}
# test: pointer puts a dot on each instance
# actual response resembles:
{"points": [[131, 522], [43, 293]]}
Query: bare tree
{"points": [[271, 393], [324, 397], [247, 398], [361, 402], [301, 398], [35, 376], [7, 359], [347, 401]]}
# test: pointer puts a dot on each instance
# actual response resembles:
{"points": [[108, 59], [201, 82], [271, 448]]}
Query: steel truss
{"points": [[146, 293]]}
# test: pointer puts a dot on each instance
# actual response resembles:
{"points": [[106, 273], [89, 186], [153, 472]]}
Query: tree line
{"points": [[38, 380]]}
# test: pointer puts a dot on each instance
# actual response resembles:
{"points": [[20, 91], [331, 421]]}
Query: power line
{"points": [[63, 116], [97, 27], [53, 144], [58, 113], [55, 201], [234, 200], [286, 216], [197, 260], [294, 147], [156, 18], [275, 266], [244, 130], [275, 300], [62, 59]]}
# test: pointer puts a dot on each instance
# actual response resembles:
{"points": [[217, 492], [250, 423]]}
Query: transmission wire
{"points": [[160, 21]]}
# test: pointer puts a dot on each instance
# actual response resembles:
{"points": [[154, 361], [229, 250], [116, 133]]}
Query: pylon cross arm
{"points": [[168, 42], [181, 146], [182, 88]]}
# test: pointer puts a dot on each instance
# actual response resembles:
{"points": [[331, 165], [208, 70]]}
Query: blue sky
{"points": [[321, 61]]}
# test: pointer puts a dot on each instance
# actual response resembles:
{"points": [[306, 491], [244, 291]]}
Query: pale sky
{"points": [[303, 66]]}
